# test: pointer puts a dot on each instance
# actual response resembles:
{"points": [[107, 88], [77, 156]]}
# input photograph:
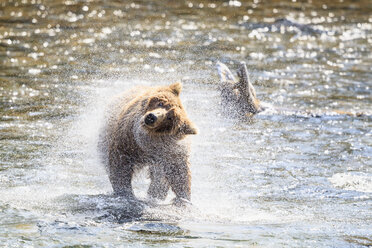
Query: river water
{"points": [[281, 179]]}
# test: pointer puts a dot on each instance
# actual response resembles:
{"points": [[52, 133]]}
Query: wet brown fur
{"points": [[238, 97], [128, 144]]}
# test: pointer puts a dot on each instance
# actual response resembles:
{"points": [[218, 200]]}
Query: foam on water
{"points": [[353, 181]]}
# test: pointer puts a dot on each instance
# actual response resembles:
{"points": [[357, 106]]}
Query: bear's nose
{"points": [[150, 119]]}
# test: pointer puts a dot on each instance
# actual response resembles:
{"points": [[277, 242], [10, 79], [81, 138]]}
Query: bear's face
{"points": [[165, 115]]}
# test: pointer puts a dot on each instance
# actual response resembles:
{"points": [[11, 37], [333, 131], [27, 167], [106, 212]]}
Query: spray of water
{"points": [[71, 179]]}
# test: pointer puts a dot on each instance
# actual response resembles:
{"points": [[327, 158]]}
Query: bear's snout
{"points": [[150, 119], [153, 118]]}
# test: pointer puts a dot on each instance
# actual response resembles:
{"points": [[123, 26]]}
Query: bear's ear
{"points": [[176, 88], [189, 128]]}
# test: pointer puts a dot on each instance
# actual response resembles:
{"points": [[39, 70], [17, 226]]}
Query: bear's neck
{"points": [[159, 144]]}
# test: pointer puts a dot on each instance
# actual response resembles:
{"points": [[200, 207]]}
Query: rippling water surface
{"points": [[280, 179]]}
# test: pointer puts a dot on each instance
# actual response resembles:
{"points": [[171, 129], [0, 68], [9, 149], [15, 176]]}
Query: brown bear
{"points": [[146, 126], [238, 96]]}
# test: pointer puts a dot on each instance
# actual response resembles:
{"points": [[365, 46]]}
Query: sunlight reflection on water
{"points": [[292, 180]]}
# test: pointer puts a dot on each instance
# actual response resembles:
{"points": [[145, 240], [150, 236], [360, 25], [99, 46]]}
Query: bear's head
{"points": [[164, 113]]}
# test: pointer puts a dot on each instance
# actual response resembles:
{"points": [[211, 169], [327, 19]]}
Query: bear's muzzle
{"points": [[154, 117]]}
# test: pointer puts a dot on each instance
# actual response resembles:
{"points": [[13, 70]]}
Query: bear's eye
{"points": [[160, 104], [169, 118]]}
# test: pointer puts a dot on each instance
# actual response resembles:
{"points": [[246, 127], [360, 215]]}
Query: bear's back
{"points": [[112, 115]]}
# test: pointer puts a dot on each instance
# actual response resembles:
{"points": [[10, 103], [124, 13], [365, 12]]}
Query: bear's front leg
{"points": [[178, 176], [120, 175], [122, 186], [159, 185]]}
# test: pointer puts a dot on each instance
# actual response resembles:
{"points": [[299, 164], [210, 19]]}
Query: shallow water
{"points": [[277, 180]]}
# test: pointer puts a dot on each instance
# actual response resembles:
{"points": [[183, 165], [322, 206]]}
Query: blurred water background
{"points": [[278, 180]]}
